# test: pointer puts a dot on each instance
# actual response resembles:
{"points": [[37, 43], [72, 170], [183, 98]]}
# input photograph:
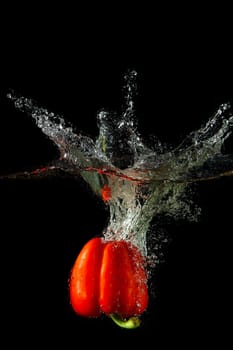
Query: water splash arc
{"points": [[144, 182]]}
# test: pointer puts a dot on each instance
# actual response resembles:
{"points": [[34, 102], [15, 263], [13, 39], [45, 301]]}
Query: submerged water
{"points": [[137, 182]]}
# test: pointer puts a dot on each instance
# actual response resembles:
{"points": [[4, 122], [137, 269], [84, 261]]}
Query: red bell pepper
{"points": [[109, 277]]}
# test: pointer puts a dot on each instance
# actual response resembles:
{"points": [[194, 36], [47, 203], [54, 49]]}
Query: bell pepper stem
{"points": [[128, 323]]}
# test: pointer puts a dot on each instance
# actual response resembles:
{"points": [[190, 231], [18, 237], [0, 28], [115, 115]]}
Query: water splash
{"points": [[141, 182]]}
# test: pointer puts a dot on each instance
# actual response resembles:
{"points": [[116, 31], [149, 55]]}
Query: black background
{"points": [[185, 73]]}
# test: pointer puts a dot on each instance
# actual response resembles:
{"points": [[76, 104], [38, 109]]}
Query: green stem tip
{"points": [[128, 323]]}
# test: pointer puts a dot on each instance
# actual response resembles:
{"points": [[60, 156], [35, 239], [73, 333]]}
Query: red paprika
{"points": [[106, 193], [109, 277]]}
